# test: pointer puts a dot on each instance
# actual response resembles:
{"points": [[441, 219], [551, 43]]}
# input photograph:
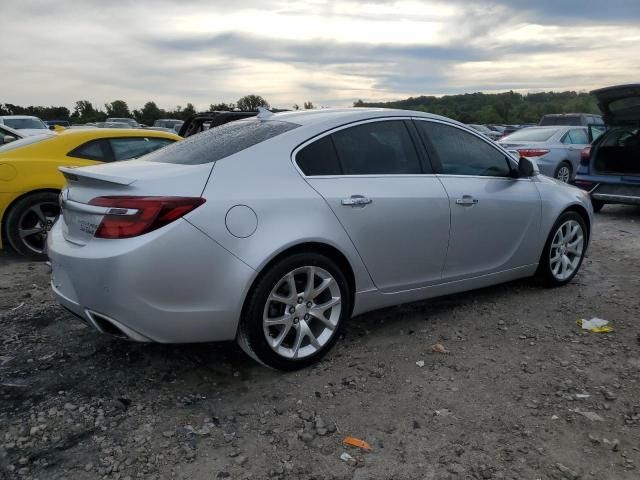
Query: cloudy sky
{"points": [[328, 52]]}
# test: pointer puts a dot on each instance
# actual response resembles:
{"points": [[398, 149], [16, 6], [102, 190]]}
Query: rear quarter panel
{"points": [[289, 212]]}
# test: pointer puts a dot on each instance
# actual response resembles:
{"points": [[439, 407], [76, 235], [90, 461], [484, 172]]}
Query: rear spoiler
{"points": [[75, 174]]}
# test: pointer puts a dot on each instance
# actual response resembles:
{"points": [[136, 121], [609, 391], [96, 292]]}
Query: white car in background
{"points": [[26, 124]]}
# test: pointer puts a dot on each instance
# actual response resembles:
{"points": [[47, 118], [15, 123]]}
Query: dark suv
{"points": [[610, 168], [565, 119]]}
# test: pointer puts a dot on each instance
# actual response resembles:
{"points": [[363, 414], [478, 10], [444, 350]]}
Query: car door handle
{"points": [[466, 200], [356, 201]]}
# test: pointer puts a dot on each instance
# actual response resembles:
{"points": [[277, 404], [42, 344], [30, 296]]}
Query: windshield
{"points": [[531, 135], [220, 142], [23, 142], [22, 123]]}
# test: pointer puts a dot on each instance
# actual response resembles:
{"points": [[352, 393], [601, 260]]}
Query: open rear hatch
{"points": [[126, 194], [618, 152]]}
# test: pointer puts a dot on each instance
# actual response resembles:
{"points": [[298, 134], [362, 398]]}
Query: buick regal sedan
{"points": [[275, 230]]}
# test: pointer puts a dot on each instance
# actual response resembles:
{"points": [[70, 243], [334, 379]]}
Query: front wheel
{"points": [[29, 221], [295, 312], [564, 251]]}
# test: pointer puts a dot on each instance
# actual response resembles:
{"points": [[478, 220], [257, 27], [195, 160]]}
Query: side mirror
{"points": [[8, 139], [526, 168], [52, 127]]}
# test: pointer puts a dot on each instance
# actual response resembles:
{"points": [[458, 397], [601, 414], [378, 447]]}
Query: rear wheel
{"points": [[564, 251], [563, 172], [295, 312], [597, 205], [29, 221]]}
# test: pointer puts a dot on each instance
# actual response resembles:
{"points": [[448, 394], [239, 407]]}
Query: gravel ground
{"points": [[522, 393]]}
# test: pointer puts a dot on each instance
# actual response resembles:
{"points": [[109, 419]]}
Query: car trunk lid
{"points": [[133, 178], [620, 104]]}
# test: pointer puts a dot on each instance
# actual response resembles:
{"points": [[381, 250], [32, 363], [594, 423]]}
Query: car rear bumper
{"points": [[604, 189], [173, 285]]}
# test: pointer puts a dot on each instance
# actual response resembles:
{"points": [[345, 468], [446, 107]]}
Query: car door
{"points": [[389, 201], [495, 218], [575, 140]]}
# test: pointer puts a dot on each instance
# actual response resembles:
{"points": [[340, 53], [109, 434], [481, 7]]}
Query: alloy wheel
{"points": [[566, 251], [34, 225], [302, 312], [564, 174]]}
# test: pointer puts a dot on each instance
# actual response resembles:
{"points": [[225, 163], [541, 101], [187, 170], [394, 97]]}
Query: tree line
{"points": [[85, 112], [501, 108], [507, 108]]}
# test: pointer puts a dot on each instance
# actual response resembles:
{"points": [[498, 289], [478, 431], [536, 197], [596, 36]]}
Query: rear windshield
{"points": [[220, 142], [20, 123], [560, 120], [23, 142], [532, 135], [624, 103]]}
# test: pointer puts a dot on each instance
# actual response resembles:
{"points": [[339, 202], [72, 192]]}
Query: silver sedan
{"points": [[556, 150], [275, 230]]}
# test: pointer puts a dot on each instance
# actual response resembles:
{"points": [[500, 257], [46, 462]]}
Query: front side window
{"points": [[126, 148], [461, 153], [377, 148]]}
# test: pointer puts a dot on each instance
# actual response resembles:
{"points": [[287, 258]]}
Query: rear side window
{"points": [[126, 148], [220, 142], [319, 158], [377, 148], [94, 150], [577, 136]]}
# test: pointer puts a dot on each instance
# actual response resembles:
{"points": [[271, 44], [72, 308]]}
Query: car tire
{"points": [[564, 250], [28, 222], [563, 172], [597, 205], [283, 329]]}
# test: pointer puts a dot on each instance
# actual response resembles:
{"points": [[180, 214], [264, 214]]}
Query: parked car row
{"points": [[30, 182]]}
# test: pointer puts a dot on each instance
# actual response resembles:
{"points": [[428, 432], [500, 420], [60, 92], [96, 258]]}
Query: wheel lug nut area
{"points": [[292, 310], [300, 300]]}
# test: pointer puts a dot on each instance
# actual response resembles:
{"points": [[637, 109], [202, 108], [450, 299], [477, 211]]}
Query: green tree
{"points": [[222, 107], [149, 113], [188, 111], [118, 109], [250, 103]]}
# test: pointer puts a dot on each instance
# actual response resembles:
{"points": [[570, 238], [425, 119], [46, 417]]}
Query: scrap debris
{"points": [[595, 325]]}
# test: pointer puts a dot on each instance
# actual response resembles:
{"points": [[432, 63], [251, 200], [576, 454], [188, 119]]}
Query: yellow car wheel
{"points": [[29, 221]]}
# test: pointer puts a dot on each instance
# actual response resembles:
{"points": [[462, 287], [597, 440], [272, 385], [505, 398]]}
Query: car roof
{"points": [[116, 132], [347, 115]]}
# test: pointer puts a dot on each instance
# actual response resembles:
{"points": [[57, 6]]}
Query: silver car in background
{"points": [[556, 149], [275, 230]]}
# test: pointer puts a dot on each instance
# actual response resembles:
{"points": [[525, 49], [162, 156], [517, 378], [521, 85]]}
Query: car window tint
{"points": [[377, 148], [532, 134], [319, 158], [578, 136], [93, 150], [221, 142], [126, 148], [461, 153]]}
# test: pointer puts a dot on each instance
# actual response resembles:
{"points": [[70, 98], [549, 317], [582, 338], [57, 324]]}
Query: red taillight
{"points": [[532, 152], [584, 155], [132, 216]]}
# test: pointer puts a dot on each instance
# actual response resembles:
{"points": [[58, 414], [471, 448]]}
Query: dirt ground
{"points": [[522, 394]]}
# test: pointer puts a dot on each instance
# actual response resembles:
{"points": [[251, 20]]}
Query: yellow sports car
{"points": [[30, 181]]}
